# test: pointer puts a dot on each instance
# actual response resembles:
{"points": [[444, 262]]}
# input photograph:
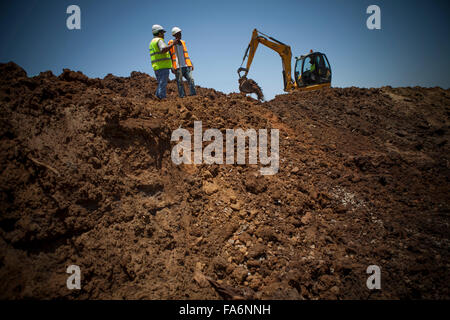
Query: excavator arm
{"points": [[282, 49]]}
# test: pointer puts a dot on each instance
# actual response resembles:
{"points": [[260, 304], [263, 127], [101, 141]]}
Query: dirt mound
{"points": [[87, 179]]}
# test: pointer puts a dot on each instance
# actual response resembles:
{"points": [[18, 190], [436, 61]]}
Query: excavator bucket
{"points": [[250, 86]]}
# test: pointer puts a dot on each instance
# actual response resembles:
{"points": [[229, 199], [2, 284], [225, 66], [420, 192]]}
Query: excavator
{"points": [[311, 72]]}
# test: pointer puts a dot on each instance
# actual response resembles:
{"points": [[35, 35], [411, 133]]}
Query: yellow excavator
{"points": [[311, 71]]}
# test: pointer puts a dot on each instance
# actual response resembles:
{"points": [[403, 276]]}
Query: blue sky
{"points": [[412, 47]]}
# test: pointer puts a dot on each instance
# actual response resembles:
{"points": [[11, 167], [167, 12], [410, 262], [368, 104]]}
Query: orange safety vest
{"points": [[174, 55]]}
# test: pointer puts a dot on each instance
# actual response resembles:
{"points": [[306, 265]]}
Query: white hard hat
{"points": [[156, 28], [175, 30]]}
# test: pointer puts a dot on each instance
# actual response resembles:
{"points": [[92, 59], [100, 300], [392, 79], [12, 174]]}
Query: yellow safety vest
{"points": [[159, 60]]}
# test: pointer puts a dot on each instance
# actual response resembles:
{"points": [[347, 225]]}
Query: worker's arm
{"points": [[164, 48]]}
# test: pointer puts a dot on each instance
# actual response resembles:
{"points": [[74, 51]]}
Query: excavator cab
{"points": [[312, 70]]}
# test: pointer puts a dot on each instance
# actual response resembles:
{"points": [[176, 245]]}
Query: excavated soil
{"points": [[87, 179]]}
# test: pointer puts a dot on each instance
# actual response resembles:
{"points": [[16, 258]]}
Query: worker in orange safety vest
{"points": [[181, 63]]}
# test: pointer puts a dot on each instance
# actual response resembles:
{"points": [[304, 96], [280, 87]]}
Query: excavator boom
{"points": [[282, 49]]}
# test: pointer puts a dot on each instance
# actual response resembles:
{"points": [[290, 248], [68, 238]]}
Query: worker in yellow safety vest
{"points": [[181, 63], [160, 58]]}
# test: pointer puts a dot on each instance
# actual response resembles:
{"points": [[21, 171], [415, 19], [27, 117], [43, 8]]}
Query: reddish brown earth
{"points": [[87, 179]]}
